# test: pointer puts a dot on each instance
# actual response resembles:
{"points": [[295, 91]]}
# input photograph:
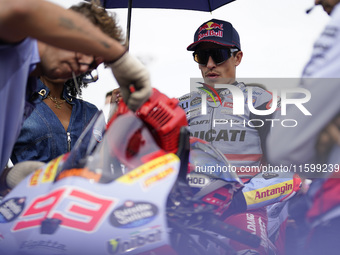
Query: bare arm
{"points": [[55, 25]]}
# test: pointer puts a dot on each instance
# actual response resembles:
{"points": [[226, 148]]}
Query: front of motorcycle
{"points": [[122, 190]]}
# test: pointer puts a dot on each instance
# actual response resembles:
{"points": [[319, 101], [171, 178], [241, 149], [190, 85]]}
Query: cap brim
{"points": [[192, 47]]}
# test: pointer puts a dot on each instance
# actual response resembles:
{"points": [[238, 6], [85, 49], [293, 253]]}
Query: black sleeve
{"points": [[262, 129], [238, 205]]}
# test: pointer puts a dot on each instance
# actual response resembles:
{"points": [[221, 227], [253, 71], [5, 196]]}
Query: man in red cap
{"points": [[240, 137]]}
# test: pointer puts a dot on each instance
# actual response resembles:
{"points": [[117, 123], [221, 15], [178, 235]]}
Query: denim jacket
{"points": [[43, 137]]}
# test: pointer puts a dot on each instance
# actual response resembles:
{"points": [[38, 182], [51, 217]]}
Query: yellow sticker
{"points": [[157, 177], [35, 177], [51, 170], [267, 193], [143, 170]]}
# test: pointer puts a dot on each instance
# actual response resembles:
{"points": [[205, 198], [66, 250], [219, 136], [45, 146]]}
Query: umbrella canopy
{"points": [[197, 5]]}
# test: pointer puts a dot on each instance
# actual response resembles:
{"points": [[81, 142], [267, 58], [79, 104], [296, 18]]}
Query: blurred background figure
{"points": [[108, 97], [317, 213]]}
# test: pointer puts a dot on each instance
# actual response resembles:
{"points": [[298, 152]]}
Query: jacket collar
{"points": [[43, 91]]}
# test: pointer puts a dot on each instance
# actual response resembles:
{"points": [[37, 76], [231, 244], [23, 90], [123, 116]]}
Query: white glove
{"points": [[20, 171], [130, 71]]}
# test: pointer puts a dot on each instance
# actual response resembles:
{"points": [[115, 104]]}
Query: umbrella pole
{"points": [[128, 25]]}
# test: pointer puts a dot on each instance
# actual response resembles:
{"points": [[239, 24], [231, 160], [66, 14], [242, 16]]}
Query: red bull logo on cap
{"points": [[211, 25], [209, 29]]}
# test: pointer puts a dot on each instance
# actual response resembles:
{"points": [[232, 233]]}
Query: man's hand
{"points": [[128, 71]]}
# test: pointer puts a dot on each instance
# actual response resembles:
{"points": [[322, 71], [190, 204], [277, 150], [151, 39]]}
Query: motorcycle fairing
{"points": [[78, 214]]}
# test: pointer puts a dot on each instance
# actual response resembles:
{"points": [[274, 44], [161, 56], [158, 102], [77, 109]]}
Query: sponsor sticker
{"points": [[46, 245], [267, 193], [137, 240], [133, 214], [51, 170], [147, 168], [11, 209]]}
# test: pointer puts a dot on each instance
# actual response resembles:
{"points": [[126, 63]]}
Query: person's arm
{"points": [[56, 26], [69, 30], [263, 127], [262, 103]]}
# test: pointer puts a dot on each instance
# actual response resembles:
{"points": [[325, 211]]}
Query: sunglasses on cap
{"points": [[218, 55]]}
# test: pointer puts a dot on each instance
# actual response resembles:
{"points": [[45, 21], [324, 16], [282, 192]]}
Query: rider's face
{"points": [[58, 63], [224, 73], [327, 5]]}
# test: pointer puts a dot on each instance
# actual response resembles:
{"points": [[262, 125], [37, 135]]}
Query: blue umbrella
{"points": [[196, 5]]}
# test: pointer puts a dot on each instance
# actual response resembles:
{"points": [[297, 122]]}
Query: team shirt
{"points": [[17, 61]]}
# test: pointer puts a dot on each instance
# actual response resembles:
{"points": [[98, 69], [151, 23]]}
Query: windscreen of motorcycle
{"points": [[104, 154], [211, 177], [206, 159]]}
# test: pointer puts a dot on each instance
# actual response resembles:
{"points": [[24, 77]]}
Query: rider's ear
{"points": [[238, 57]]}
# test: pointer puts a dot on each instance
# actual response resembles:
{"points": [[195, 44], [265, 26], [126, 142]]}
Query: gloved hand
{"points": [[129, 71], [19, 171]]}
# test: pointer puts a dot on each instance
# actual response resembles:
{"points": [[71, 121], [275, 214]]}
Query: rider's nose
{"points": [[211, 63]]}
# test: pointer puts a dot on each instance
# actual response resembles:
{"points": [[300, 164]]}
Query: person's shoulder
{"points": [[256, 87], [185, 97], [188, 96], [190, 102], [258, 90], [85, 104], [260, 94], [90, 105]]}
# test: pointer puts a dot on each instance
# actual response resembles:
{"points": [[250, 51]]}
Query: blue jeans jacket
{"points": [[43, 137]]}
